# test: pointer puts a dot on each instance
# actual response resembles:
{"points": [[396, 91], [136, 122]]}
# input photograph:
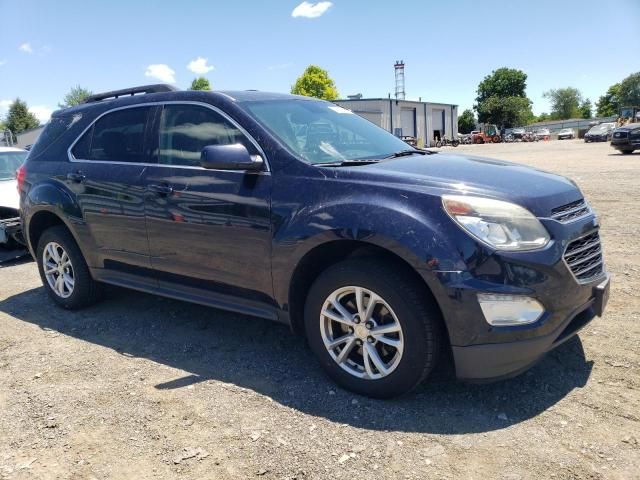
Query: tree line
{"points": [[502, 100]]}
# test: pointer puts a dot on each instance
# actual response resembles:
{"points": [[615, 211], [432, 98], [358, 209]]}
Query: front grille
{"points": [[620, 134], [584, 257], [570, 211]]}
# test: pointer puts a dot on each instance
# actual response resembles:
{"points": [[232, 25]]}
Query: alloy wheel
{"points": [[361, 332], [58, 269]]}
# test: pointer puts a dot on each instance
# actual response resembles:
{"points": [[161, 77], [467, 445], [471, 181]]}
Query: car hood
{"points": [[9, 194], [534, 189]]}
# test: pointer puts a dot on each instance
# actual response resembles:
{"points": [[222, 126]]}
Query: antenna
{"points": [[400, 93]]}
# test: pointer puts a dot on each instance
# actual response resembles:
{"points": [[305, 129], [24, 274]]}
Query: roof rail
{"points": [[157, 88]]}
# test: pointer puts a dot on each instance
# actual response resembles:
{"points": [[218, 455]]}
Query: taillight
{"points": [[20, 174]]}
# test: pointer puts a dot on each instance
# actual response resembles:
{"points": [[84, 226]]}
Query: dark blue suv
{"points": [[296, 210]]}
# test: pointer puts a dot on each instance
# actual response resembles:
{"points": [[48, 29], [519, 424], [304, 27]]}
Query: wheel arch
{"points": [[321, 257]]}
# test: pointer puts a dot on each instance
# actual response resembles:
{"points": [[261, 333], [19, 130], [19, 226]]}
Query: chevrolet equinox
{"points": [[296, 210]]}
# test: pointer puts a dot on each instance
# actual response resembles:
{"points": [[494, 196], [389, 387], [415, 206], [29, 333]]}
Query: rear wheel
{"points": [[371, 328], [63, 270]]}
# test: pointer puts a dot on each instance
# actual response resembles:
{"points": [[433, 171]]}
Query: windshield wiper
{"points": [[406, 153], [347, 163]]}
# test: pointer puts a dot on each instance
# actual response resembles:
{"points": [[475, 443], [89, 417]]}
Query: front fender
{"points": [[411, 228]]}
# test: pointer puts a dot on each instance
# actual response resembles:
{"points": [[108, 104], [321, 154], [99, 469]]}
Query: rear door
{"points": [[209, 230], [105, 173]]}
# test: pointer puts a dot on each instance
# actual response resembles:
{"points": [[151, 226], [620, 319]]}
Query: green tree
{"points": [[467, 121], [502, 99], [565, 102], [543, 117], [630, 91], [608, 105], [76, 96], [315, 82], [585, 109], [19, 118], [506, 111], [200, 83]]}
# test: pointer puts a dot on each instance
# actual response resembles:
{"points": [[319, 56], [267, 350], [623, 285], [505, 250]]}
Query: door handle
{"points": [[76, 177], [160, 189]]}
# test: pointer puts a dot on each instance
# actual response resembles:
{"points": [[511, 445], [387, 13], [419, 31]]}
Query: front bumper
{"points": [[491, 362], [485, 352], [625, 144], [596, 138]]}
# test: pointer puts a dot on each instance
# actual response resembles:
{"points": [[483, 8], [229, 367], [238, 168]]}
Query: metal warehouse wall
{"points": [[404, 117]]}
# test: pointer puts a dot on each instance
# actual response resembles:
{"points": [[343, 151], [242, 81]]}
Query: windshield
{"points": [[321, 132], [9, 163], [603, 127]]}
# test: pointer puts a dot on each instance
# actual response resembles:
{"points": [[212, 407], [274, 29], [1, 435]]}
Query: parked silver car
{"points": [[565, 133]]}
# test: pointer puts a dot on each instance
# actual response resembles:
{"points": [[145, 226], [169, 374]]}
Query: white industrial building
{"points": [[425, 121]]}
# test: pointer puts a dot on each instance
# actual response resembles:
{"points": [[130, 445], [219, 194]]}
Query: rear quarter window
{"points": [[52, 133]]}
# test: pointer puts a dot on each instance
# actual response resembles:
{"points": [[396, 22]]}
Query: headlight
{"points": [[502, 225]]}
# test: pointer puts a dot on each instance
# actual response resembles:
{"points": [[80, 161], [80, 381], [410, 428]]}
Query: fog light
{"points": [[506, 310]]}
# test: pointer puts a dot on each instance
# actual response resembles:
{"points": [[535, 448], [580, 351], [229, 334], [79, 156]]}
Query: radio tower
{"points": [[399, 66]]}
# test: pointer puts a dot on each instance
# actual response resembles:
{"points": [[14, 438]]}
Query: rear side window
{"points": [[117, 137], [186, 129]]}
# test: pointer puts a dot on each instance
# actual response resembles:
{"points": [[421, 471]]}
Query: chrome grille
{"points": [[570, 211], [584, 257], [620, 134]]}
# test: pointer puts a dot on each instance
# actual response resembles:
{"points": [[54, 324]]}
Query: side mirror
{"points": [[229, 157]]}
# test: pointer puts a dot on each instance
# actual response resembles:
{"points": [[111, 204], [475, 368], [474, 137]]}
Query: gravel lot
{"points": [[141, 387]]}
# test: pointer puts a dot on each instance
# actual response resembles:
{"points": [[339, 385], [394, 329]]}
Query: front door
{"points": [[105, 175], [209, 230]]}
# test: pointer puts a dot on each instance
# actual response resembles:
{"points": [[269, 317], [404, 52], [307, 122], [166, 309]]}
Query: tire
{"points": [[455, 143], [438, 144], [401, 303], [83, 290], [626, 152]]}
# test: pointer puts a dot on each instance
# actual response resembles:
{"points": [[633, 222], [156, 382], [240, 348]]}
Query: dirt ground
{"points": [[141, 387]]}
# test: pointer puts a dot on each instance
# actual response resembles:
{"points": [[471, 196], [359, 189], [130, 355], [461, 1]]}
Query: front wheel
{"points": [[63, 270], [371, 328], [626, 152], [455, 143]]}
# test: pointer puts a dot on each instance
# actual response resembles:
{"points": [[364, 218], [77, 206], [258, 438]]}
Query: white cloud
{"points": [[162, 72], [200, 66], [26, 48], [4, 106], [3, 62], [311, 10], [41, 112]]}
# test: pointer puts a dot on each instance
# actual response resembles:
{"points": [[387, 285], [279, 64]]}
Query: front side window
{"points": [[117, 137], [321, 132], [186, 129]]}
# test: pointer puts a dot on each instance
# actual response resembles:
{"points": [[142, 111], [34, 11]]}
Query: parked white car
{"points": [[10, 159], [565, 133]]}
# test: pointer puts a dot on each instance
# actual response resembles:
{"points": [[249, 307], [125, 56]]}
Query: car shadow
{"points": [[267, 358]]}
